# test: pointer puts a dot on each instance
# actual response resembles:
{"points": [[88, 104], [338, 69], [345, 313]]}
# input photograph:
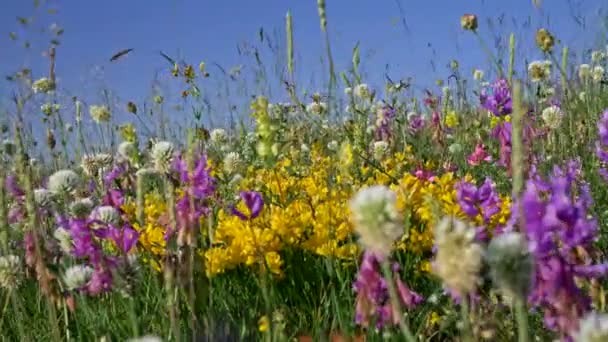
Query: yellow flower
{"points": [[451, 119], [263, 324]]}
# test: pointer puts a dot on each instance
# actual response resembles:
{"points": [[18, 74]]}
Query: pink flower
{"points": [[479, 155]]}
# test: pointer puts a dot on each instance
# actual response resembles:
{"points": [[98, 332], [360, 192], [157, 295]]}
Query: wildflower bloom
{"points": [[458, 260], [162, 155], [584, 71], [539, 70], [100, 114], [552, 116], [511, 264], [597, 74], [592, 328], [468, 22], [254, 202], [602, 144], [384, 117], [544, 40], [475, 201], [376, 218], [478, 75], [479, 155], [77, 276], [373, 301], [10, 271], [498, 99], [43, 85], [362, 91], [63, 181]]}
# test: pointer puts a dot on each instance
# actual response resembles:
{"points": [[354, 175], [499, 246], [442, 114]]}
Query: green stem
{"points": [[466, 323], [388, 275], [511, 57], [522, 320]]}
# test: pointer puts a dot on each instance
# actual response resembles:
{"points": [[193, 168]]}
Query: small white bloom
{"points": [[455, 148], [592, 328], [539, 70], [77, 276], [43, 85], [43, 197], [162, 155], [348, 91], [478, 75], [511, 265], [332, 145], [304, 148], [362, 91], [100, 114], [584, 71], [232, 162], [63, 181], [49, 109], [10, 271], [376, 219], [218, 136], [106, 214], [126, 150], [597, 56], [552, 116], [316, 108], [597, 74], [380, 149], [81, 207], [148, 338], [92, 164]]}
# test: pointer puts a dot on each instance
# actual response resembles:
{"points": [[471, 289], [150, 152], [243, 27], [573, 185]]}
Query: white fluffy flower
{"points": [[218, 136], [10, 271], [511, 264], [455, 148], [316, 108], [478, 75], [92, 164], [64, 238], [380, 149], [592, 328], [81, 207], [63, 181], [162, 155], [376, 219], [77, 276], [232, 162], [362, 91], [43, 85], [539, 70], [106, 214], [459, 258], [597, 56], [100, 114], [552, 116], [126, 150], [49, 109], [348, 91], [332, 145], [43, 197], [584, 71], [597, 74]]}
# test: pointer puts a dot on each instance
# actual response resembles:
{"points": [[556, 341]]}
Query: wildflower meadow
{"points": [[470, 210]]}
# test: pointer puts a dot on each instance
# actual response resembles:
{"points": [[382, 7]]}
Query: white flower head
{"points": [[63, 181], [64, 238], [100, 114], [478, 75], [77, 276], [511, 264], [597, 74], [362, 91], [10, 271], [539, 70], [552, 116], [376, 219], [592, 328], [458, 260], [232, 162], [380, 149], [106, 214], [81, 207], [316, 108], [93, 163], [49, 109], [126, 150], [332, 145], [43, 85], [455, 148], [584, 71], [162, 155], [218, 136], [43, 197], [598, 56], [148, 338], [348, 91]]}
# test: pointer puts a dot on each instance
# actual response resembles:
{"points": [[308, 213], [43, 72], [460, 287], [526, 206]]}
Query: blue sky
{"points": [[210, 30]]}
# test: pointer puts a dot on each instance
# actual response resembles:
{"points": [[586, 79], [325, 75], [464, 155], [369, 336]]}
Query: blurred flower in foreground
{"points": [[43, 85], [469, 22], [592, 328], [544, 40], [511, 264]]}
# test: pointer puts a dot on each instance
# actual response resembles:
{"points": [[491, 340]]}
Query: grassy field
{"points": [[471, 211]]}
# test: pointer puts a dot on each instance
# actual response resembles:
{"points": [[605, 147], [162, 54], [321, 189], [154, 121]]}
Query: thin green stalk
{"points": [[4, 227], [563, 70], [169, 271], [522, 320], [332, 74], [490, 55], [511, 57], [403, 326], [466, 323], [517, 153]]}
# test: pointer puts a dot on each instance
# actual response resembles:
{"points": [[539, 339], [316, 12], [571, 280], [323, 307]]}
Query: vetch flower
{"points": [[376, 219], [479, 155], [253, 201], [498, 99]]}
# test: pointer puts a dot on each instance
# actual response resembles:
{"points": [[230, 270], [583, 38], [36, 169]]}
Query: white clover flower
{"points": [[100, 114], [77, 276], [81, 207], [218, 136], [552, 116], [511, 264], [10, 271], [376, 219], [316, 108], [380, 149], [458, 260], [597, 56], [332, 145], [148, 338], [49, 109], [478, 75], [106, 214], [539, 70], [63, 181], [43, 197], [597, 74], [43, 85], [232, 162], [362, 91], [592, 328], [126, 150], [455, 148], [92, 164], [348, 91], [584, 71], [162, 155]]}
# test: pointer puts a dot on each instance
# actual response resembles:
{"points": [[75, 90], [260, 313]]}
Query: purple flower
{"points": [[254, 202], [384, 118], [474, 201], [101, 281], [498, 99], [416, 122], [113, 174], [13, 186], [602, 144], [125, 238]]}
